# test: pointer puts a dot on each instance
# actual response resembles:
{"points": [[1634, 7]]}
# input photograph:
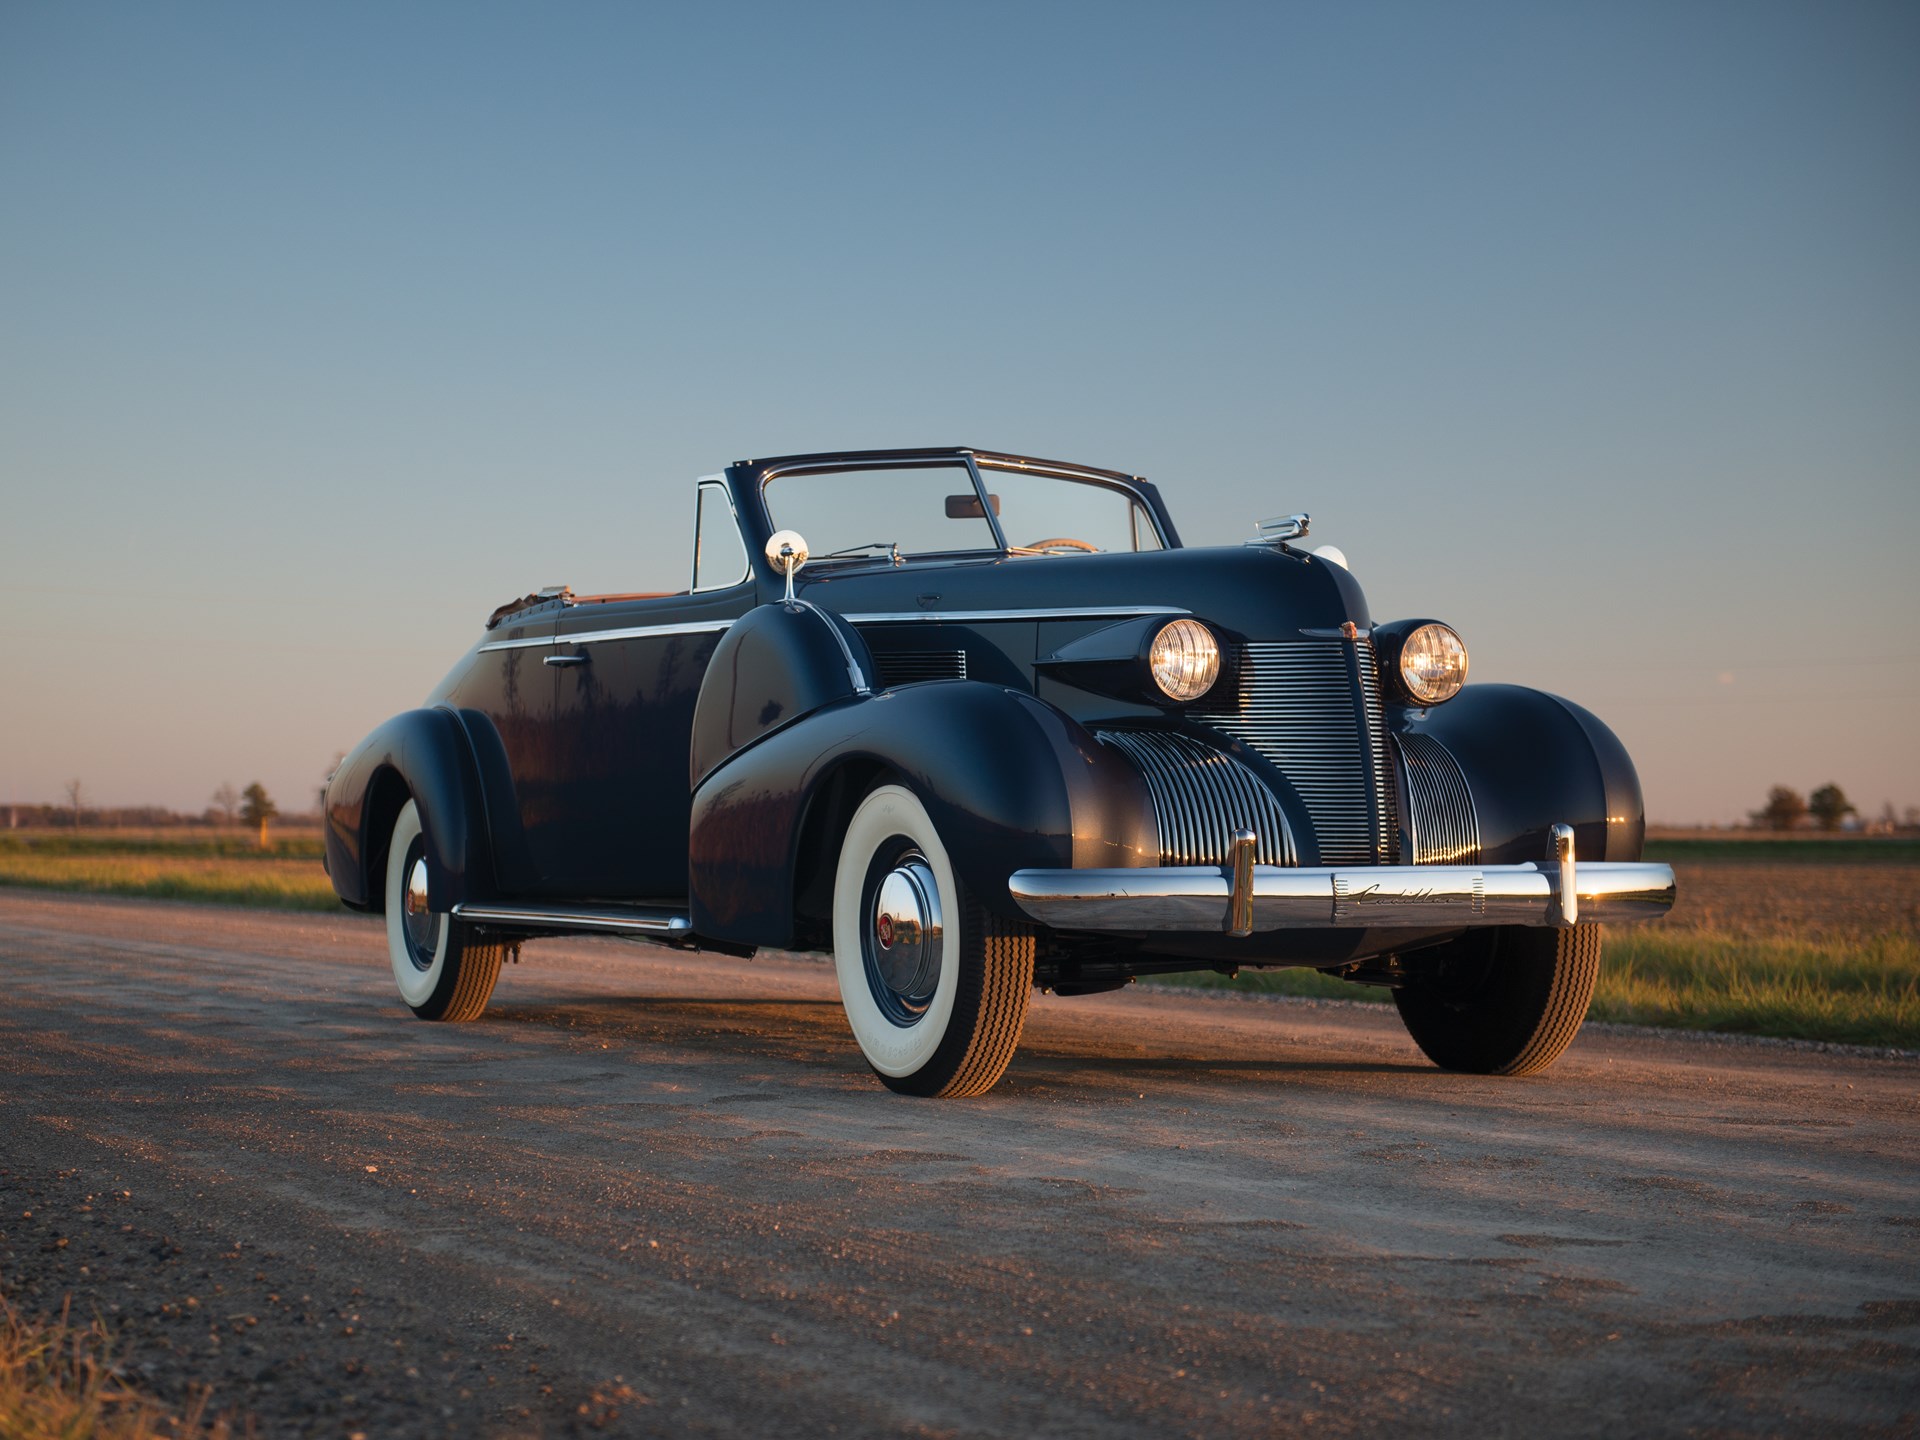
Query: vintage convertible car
{"points": [[1003, 731]]}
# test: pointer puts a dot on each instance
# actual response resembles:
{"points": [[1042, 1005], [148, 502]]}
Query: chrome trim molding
{"points": [[596, 920], [1100, 612], [1203, 799], [627, 632], [1410, 897], [854, 675], [701, 486], [524, 643]]}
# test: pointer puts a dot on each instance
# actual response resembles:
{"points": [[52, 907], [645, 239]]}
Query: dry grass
{"points": [[286, 844], [1861, 990], [262, 878], [58, 1382]]}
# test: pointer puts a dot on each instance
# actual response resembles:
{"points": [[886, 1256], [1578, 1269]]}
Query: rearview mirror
{"points": [[967, 507]]}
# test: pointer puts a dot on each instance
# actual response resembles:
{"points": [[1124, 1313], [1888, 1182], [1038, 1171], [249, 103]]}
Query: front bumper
{"points": [[1243, 898]]}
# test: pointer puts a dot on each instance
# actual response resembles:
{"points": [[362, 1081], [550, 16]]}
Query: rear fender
{"points": [[421, 755], [1008, 781]]}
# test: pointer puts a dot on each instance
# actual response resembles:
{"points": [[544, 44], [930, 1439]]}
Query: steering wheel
{"points": [[1059, 542]]}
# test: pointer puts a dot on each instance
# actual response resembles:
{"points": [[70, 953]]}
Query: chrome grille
{"points": [[1312, 710], [1440, 817], [908, 667], [1200, 797]]}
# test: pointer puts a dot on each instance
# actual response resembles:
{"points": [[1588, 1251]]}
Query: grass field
{"points": [[228, 869], [238, 843], [1792, 942], [1814, 939]]}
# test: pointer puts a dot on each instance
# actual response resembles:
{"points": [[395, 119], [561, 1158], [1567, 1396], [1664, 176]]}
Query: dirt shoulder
{"points": [[662, 1186]]}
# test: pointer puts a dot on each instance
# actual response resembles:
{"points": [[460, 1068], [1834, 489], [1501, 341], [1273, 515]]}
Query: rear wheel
{"points": [[1504, 1001], [444, 970], [934, 986]]}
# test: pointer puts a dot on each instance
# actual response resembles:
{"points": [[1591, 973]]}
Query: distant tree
{"points": [[1830, 806], [1784, 809], [257, 808], [226, 800], [76, 800]]}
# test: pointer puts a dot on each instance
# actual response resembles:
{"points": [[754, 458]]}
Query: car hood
{"points": [[1253, 592]]}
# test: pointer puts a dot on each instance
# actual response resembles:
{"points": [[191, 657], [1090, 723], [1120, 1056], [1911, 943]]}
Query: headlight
{"points": [[1185, 659], [1433, 664]]}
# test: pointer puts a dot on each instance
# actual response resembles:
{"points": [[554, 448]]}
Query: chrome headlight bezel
{"points": [[1184, 660], [1424, 662]]}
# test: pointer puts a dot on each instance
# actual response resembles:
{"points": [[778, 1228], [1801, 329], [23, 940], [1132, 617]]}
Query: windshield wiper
{"points": [[891, 547]]}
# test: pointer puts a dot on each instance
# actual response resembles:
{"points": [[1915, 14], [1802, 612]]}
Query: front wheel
{"points": [[443, 969], [1504, 1001], [934, 986]]}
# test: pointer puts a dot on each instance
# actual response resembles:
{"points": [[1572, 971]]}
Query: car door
{"points": [[629, 674], [504, 698], [628, 671]]}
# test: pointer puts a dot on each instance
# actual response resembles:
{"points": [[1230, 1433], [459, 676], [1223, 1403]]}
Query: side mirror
{"points": [[787, 551]]}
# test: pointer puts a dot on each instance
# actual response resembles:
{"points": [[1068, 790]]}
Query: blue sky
{"points": [[1592, 329]]}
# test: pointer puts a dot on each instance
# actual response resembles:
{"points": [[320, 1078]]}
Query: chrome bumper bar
{"points": [[1242, 898]]}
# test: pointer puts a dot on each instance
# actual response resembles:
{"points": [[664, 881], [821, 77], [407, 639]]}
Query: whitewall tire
{"points": [[443, 970], [935, 988]]}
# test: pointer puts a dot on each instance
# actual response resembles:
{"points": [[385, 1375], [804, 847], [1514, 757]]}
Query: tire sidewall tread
{"points": [[1525, 1013]]}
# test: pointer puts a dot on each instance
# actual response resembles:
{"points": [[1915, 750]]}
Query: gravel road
{"points": [[653, 1192]]}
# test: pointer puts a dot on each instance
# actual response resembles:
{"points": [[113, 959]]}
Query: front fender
{"points": [[775, 665], [422, 755], [1010, 783], [1533, 760]]}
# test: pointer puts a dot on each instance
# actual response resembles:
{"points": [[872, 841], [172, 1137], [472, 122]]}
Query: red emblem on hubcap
{"points": [[883, 927]]}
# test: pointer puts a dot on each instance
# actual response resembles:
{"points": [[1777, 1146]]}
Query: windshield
{"points": [[934, 509]]}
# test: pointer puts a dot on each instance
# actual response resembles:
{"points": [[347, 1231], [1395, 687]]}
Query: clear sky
{"points": [[1594, 330]]}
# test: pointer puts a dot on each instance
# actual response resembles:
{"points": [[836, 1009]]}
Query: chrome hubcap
{"points": [[904, 935], [423, 926]]}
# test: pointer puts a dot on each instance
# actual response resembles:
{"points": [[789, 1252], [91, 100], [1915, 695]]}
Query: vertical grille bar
{"points": [[1200, 797], [1313, 711], [1381, 787], [1444, 825]]}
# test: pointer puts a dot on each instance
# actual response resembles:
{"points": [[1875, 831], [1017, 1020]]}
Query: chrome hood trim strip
{"points": [[1098, 612]]}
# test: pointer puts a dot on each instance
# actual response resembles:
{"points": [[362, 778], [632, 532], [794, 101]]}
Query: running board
{"points": [[630, 920]]}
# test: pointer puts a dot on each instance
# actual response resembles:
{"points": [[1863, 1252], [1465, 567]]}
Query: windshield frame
{"points": [[976, 463]]}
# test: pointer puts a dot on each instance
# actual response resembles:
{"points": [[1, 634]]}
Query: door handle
{"points": [[565, 660]]}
